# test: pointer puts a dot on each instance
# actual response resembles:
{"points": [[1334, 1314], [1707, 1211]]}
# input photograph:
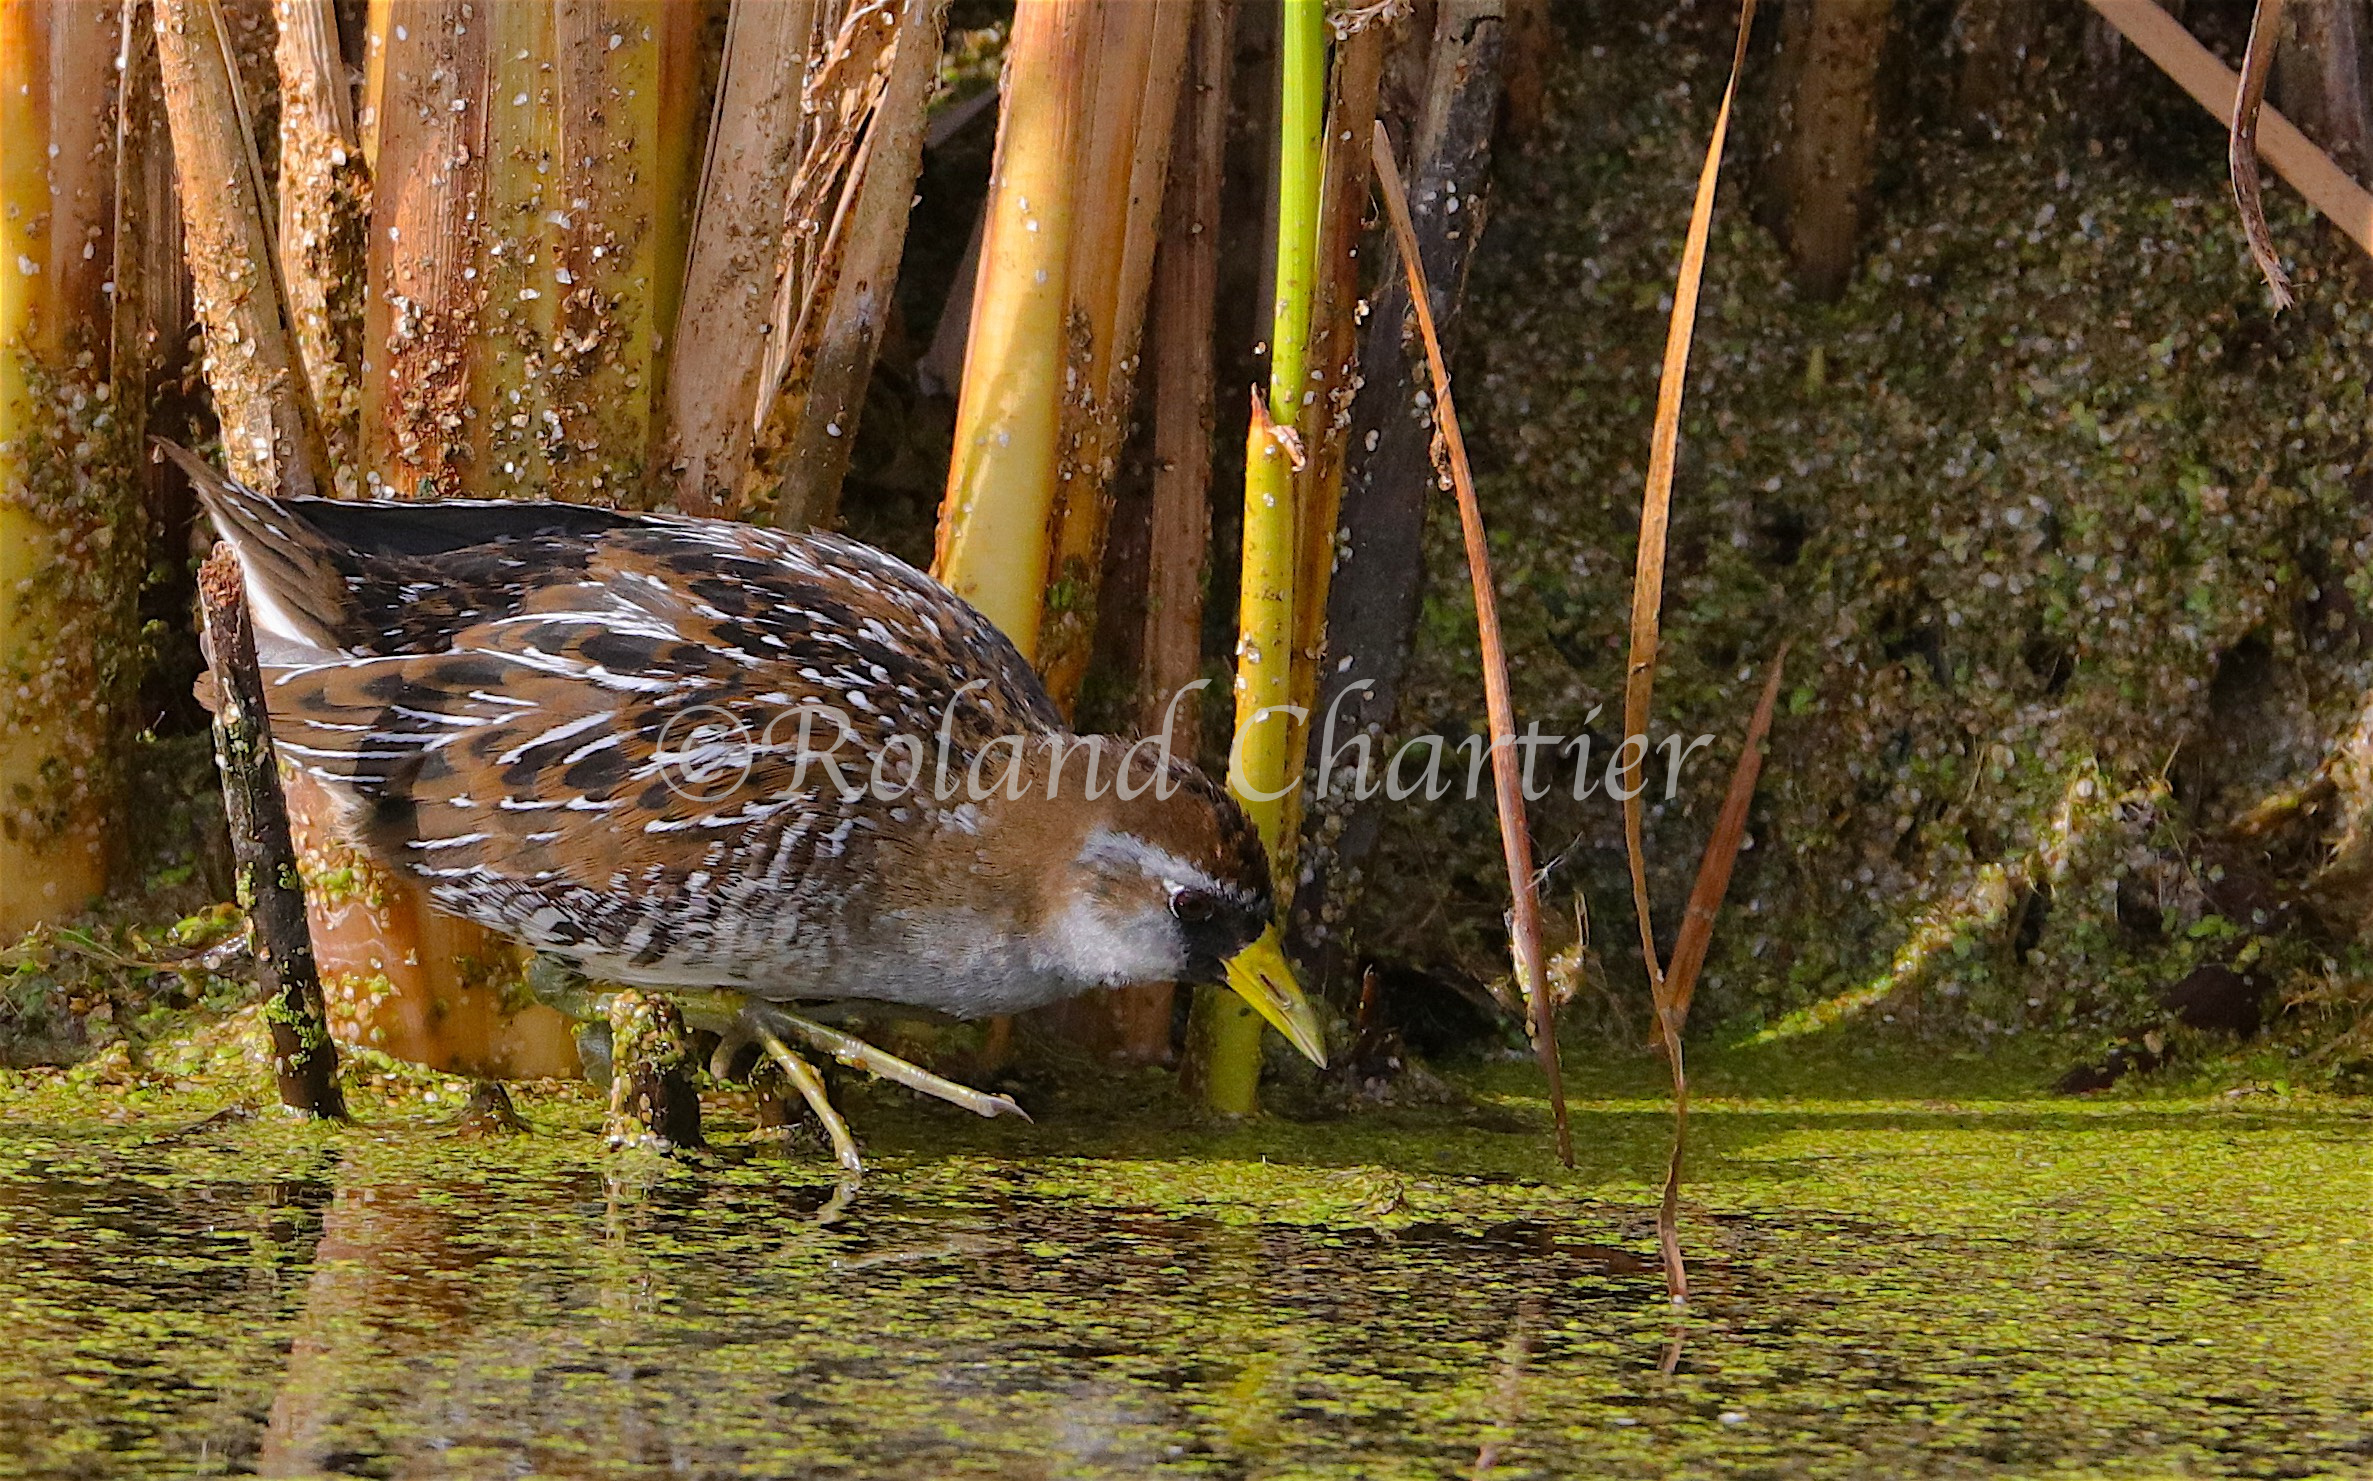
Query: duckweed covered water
{"points": [[1888, 1285]]}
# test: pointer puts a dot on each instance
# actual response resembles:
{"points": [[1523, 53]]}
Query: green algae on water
{"points": [[1973, 1280]]}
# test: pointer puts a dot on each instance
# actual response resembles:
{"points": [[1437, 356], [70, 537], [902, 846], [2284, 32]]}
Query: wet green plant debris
{"points": [[1934, 1275]]}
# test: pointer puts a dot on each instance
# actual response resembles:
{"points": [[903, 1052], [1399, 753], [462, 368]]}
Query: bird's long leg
{"points": [[810, 1085], [857, 1054]]}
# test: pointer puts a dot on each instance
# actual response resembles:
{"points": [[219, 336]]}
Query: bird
{"points": [[694, 755]]}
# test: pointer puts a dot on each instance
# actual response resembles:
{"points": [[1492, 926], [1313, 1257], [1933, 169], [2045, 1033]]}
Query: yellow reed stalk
{"points": [[854, 144], [802, 220], [1264, 765], [1332, 358], [72, 538], [992, 543]]}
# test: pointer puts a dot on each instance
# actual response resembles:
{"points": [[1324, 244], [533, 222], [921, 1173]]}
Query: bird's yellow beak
{"points": [[1262, 977]]}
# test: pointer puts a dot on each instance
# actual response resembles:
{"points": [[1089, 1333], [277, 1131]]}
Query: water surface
{"points": [[1886, 1287]]}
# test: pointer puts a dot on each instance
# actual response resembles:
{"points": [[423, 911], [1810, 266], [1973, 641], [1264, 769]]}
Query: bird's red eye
{"points": [[1192, 906]]}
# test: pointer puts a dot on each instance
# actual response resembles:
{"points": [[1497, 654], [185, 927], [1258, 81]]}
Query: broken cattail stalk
{"points": [[271, 434], [304, 1061], [654, 1105], [2257, 67], [1646, 613], [73, 543], [1689, 958], [736, 246], [1123, 156], [325, 202], [847, 79], [1515, 839], [814, 457], [992, 545]]}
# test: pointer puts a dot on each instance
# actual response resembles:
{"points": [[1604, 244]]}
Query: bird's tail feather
{"points": [[295, 589]]}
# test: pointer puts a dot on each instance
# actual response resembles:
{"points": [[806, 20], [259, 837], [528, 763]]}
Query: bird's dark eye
{"points": [[1192, 906]]}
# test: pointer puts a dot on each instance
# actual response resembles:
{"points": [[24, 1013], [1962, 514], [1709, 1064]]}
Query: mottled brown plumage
{"points": [[584, 730]]}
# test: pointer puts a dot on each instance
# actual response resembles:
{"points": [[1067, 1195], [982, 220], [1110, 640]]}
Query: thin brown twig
{"points": [[1646, 614], [1689, 955], [2257, 65], [1515, 840], [304, 1060], [2215, 86]]}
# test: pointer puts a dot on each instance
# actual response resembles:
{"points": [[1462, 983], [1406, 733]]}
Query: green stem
{"points": [[1301, 165], [1261, 770]]}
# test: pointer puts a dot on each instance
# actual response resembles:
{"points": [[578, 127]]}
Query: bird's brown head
{"points": [[1183, 844], [1160, 875]]}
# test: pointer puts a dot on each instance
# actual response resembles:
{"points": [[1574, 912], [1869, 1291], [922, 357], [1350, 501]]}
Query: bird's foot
{"points": [[740, 1023], [810, 1085], [848, 1049]]}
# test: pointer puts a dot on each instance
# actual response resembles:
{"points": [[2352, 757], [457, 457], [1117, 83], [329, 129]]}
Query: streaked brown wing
{"points": [[613, 761]]}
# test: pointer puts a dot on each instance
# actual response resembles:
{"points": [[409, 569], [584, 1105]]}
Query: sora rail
{"points": [[686, 753]]}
